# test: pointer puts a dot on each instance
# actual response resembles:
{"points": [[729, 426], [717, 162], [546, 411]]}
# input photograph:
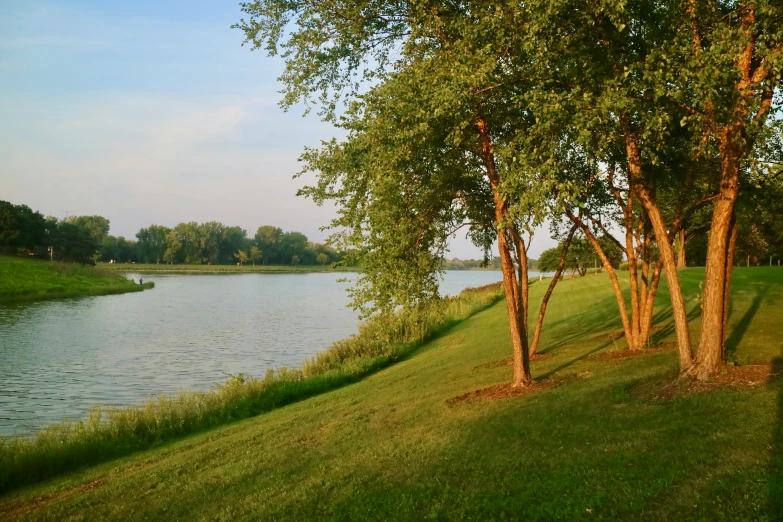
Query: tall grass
{"points": [[110, 432]]}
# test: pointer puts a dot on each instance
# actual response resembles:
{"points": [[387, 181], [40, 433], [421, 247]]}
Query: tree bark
{"points": [[630, 252], [618, 293], [550, 289], [709, 357], [681, 262], [521, 358], [666, 251], [649, 304], [729, 268]]}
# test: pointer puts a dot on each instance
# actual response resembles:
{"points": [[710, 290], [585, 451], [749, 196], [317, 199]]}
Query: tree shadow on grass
{"points": [[775, 505], [738, 332], [666, 316], [574, 328], [575, 360]]}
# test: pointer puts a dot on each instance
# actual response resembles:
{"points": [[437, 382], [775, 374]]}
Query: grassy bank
{"points": [[23, 279], [213, 269], [395, 447], [111, 432]]}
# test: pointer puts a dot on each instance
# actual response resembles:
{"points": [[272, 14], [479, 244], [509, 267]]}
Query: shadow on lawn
{"points": [[576, 327], [739, 329], [776, 459]]}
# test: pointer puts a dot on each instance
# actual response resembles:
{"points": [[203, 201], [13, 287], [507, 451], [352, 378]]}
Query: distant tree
{"points": [[20, 227], [152, 243], [295, 260], [192, 238], [254, 254], [73, 243], [173, 246], [292, 244], [549, 259], [322, 258], [233, 239], [241, 256], [267, 239], [97, 226]]}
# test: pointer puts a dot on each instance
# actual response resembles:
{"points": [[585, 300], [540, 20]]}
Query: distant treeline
{"points": [[471, 264], [86, 239]]}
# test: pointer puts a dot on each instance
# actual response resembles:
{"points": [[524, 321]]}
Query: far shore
{"points": [[235, 269]]}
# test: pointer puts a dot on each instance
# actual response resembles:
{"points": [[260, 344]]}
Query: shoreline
{"points": [[26, 298]]}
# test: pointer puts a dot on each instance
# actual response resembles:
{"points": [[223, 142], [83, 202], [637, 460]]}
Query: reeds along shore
{"points": [[110, 432]]}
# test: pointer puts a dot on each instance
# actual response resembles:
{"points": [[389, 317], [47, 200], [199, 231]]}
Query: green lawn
{"points": [[392, 447], [152, 267], [23, 279]]}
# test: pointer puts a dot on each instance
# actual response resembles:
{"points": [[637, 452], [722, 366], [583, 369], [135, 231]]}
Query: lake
{"points": [[58, 358]]}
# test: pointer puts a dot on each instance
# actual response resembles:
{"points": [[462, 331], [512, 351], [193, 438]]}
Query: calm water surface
{"points": [[58, 358]]}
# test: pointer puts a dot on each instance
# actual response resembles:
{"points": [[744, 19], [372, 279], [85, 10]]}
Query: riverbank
{"points": [[23, 279], [221, 269], [114, 431], [406, 444]]}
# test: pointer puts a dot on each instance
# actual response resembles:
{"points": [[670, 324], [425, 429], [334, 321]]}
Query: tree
{"points": [[73, 243], [267, 239], [322, 258], [173, 246], [254, 254], [292, 244], [192, 238], [432, 146], [152, 243], [97, 226], [295, 260], [241, 256], [20, 227]]}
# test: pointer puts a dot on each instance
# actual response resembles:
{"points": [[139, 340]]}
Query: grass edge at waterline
{"points": [[23, 280], [111, 432]]}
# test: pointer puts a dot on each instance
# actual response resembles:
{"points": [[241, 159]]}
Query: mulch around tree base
{"points": [[502, 391], [626, 354], [732, 378]]}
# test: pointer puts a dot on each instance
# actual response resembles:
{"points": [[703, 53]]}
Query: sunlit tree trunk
{"points": [[709, 357], [681, 263], [504, 223], [729, 267], [618, 292], [666, 251], [550, 289]]}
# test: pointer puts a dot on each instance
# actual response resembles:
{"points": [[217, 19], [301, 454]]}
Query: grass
{"points": [[217, 269], [392, 446], [23, 279], [110, 432]]}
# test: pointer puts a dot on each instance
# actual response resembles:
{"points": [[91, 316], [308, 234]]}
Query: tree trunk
{"points": [[666, 252], [550, 289], [630, 252], [709, 357], [649, 304], [618, 293], [521, 357], [681, 263], [729, 267]]}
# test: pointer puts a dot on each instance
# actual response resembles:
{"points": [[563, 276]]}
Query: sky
{"points": [[153, 112]]}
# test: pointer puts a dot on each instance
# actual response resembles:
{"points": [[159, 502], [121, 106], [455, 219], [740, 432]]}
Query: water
{"points": [[58, 358]]}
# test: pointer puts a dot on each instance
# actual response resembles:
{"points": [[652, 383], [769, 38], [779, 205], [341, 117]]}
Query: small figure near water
{"points": [[141, 281]]}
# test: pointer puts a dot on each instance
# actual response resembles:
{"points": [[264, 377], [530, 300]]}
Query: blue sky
{"points": [[150, 112]]}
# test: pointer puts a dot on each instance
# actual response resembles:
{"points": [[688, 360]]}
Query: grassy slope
{"points": [[33, 279], [391, 447], [211, 269]]}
